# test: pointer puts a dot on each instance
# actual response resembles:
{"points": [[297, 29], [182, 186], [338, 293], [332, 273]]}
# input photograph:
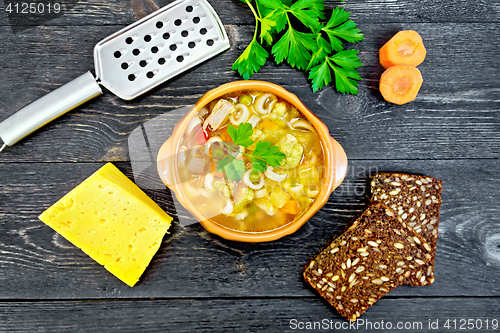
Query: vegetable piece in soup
{"points": [[251, 162]]}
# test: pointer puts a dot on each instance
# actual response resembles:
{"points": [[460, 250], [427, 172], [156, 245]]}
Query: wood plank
{"points": [[36, 263], [250, 315], [454, 116], [97, 12]]}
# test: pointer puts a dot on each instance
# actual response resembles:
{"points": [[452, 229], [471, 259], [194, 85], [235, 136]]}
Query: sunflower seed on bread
{"points": [[417, 201], [368, 260]]}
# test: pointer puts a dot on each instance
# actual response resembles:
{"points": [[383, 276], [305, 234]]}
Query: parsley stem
{"points": [[231, 149], [252, 9], [257, 18], [258, 10], [288, 19]]}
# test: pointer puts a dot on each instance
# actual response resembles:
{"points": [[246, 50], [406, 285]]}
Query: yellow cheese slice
{"points": [[113, 221]]}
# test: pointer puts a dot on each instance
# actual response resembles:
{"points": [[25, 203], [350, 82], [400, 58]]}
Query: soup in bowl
{"points": [[251, 162]]}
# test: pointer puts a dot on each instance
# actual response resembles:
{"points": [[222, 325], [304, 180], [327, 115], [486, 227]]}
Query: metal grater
{"points": [[131, 62], [158, 47]]}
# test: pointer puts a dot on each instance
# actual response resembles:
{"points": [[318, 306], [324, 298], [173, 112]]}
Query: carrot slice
{"points": [[404, 48], [266, 123], [224, 135], [291, 207], [400, 84], [215, 173]]}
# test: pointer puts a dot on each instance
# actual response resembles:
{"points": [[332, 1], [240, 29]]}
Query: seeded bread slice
{"points": [[417, 200], [368, 260]]}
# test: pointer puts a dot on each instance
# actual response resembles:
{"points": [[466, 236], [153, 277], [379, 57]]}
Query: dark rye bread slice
{"points": [[368, 260], [417, 200]]}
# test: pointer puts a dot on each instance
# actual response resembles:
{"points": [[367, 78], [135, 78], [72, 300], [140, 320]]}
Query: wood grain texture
{"points": [[205, 283], [245, 315], [454, 116], [193, 263], [98, 12]]}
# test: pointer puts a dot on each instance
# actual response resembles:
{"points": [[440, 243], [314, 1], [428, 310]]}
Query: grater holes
{"points": [[189, 9], [163, 60], [152, 73], [136, 52], [159, 24], [210, 42], [147, 38], [117, 54], [131, 77], [203, 31], [184, 33], [178, 22], [145, 62], [191, 45], [180, 58], [173, 47], [196, 20], [166, 35], [155, 49], [131, 39], [124, 65]]}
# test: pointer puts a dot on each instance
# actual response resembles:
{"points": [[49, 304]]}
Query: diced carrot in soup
{"points": [[266, 123], [291, 207], [224, 135]]}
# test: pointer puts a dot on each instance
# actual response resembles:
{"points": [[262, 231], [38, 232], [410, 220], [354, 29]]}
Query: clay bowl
{"points": [[334, 156]]}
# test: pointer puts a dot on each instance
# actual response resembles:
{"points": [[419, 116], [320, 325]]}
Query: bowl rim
{"points": [[334, 156]]}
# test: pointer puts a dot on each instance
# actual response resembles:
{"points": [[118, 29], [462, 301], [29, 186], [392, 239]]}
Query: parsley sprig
{"points": [[319, 51], [263, 155]]}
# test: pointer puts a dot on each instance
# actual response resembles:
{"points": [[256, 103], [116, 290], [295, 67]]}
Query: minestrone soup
{"points": [[259, 201]]}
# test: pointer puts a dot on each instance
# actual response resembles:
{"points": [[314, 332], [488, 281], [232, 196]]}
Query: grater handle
{"points": [[49, 107]]}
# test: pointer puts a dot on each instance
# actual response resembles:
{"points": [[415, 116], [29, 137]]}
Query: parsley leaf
{"points": [[320, 76], [323, 50], [264, 153], [241, 134], [313, 45], [344, 80], [251, 60], [339, 16], [272, 4], [259, 165], [274, 10], [340, 27], [348, 32], [345, 73], [347, 59], [306, 12], [279, 16], [266, 26], [319, 6], [262, 10], [232, 167], [294, 46]]}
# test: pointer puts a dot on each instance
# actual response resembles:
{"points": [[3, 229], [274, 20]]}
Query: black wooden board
{"points": [[454, 116], [95, 13], [250, 315], [201, 282], [193, 263]]}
